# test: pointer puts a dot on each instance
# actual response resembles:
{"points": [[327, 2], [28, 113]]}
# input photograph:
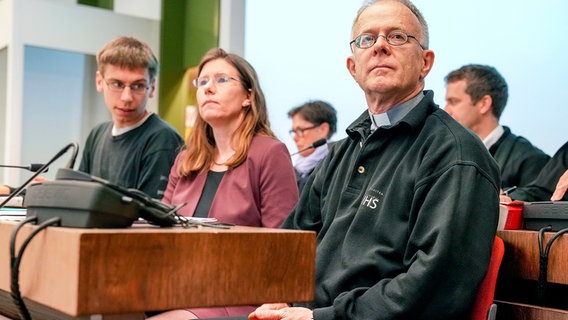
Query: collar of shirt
{"points": [[493, 137], [118, 131], [395, 114], [305, 165]]}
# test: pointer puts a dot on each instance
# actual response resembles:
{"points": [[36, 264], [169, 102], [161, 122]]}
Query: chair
{"points": [[484, 308]]}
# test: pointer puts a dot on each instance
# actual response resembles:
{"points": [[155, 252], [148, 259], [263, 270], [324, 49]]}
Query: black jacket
{"points": [[520, 162], [542, 187]]}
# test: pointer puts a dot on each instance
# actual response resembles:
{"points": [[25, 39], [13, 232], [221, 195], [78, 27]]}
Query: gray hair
{"points": [[424, 35]]}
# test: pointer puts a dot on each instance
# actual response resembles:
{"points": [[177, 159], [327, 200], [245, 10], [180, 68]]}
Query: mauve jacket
{"points": [[260, 192]]}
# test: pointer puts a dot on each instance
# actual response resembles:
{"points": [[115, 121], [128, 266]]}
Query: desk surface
{"points": [[113, 271]]}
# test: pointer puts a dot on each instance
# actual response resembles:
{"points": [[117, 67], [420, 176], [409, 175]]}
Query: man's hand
{"points": [[561, 187], [280, 311]]}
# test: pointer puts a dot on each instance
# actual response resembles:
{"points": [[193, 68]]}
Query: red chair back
{"points": [[486, 293]]}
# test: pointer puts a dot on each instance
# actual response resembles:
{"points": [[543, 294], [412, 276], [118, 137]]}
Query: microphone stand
{"points": [[39, 171], [31, 167], [316, 144]]}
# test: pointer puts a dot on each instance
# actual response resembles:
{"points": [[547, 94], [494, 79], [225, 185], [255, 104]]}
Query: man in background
{"points": [[311, 121], [137, 148], [476, 96]]}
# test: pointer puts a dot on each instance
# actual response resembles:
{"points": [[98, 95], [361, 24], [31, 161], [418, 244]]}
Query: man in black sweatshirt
{"points": [[406, 207]]}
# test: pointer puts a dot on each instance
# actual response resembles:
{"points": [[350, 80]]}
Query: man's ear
{"points": [[99, 81], [350, 63], [485, 104], [428, 61], [152, 88], [325, 129]]}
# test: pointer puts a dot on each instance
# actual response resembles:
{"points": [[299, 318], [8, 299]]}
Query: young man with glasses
{"points": [[406, 207], [311, 121], [137, 148]]}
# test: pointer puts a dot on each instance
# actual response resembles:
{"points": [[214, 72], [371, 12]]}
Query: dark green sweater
{"points": [[139, 159]]}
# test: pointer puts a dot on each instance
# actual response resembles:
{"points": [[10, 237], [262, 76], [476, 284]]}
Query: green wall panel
{"points": [[188, 29]]}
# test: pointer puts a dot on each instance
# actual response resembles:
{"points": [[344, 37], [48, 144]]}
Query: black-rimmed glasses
{"points": [[395, 38], [299, 132]]}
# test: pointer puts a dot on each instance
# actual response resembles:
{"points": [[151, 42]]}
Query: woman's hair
{"points": [[200, 145]]}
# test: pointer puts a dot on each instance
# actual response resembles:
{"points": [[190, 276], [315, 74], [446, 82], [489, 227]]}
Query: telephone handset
{"points": [[82, 200]]}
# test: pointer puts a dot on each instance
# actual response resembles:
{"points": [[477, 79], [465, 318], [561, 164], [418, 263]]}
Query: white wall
{"points": [[150, 9], [5, 22], [299, 49], [525, 41]]}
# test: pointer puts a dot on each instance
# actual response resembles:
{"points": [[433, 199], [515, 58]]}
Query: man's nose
{"points": [[381, 44], [126, 94]]}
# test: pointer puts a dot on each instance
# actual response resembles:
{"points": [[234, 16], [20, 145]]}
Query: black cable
{"points": [[13, 237], [543, 267], [15, 261]]}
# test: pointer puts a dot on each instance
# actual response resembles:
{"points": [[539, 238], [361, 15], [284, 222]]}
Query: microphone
{"points": [[43, 169], [71, 162], [317, 143], [31, 167]]}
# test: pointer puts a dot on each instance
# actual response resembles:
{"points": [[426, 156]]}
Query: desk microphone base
{"points": [[80, 204]]}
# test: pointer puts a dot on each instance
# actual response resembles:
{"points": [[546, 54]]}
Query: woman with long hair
{"points": [[232, 167]]}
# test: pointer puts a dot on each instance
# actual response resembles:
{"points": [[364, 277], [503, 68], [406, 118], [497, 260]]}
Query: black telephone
{"points": [[86, 201]]}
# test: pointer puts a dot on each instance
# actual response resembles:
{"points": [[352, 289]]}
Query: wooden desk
{"points": [[516, 285], [522, 255], [114, 271]]}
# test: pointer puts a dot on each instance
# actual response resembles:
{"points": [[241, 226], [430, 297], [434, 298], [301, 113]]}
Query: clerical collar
{"points": [[395, 114], [493, 137]]}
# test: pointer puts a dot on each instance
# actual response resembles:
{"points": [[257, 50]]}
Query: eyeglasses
{"points": [[395, 38], [219, 78], [299, 132], [118, 86]]}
